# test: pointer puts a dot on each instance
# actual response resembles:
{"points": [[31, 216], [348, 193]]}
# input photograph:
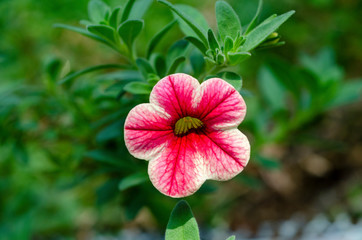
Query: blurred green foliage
{"points": [[63, 163]]}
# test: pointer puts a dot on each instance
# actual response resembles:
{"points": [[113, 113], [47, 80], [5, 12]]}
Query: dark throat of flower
{"points": [[186, 124]]}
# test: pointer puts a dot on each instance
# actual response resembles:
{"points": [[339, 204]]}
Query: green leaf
{"points": [[53, 68], [127, 10], [85, 22], [159, 63], [187, 20], [209, 61], [268, 46], [182, 224], [229, 45], [139, 9], [103, 31], [97, 10], [74, 75], [271, 88], [220, 58], [197, 43], [253, 22], [231, 238], [138, 88], [236, 58], [83, 32], [110, 117], [228, 21], [123, 75], [195, 15], [176, 50], [261, 32], [157, 38], [323, 65], [114, 18], [152, 79], [197, 63], [232, 78], [213, 44], [108, 157], [129, 30], [238, 42], [132, 180], [114, 130], [145, 67], [348, 93], [175, 64]]}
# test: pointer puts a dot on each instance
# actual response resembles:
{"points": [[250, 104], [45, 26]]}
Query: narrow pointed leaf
{"points": [[253, 22], [189, 21], [110, 158], [213, 44], [197, 63], [197, 43], [267, 46], [236, 58], [114, 18], [182, 224], [145, 67], [90, 69], [177, 49], [139, 8], [129, 30], [159, 64], [127, 10], [157, 38], [348, 93], [82, 31], [112, 131], [97, 10], [228, 21], [229, 44], [138, 88], [175, 64], [103, 31], [85, 22], [261, 32], [271, 88], [197, 18]]}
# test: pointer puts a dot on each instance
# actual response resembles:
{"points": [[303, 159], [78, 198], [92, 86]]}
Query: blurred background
{"points": [[62, 155]]}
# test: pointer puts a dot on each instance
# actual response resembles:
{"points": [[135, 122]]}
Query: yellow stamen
{"points": [[184, 125]]}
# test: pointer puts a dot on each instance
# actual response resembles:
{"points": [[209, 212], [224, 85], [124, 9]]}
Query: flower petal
{"points": [[147, 130], [176, 94], [225, 153], [179, 170], [221, 106]]}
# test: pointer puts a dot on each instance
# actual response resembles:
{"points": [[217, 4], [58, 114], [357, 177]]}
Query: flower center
{"points": [[184, 125]]}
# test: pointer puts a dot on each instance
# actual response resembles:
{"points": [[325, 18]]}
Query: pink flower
{"points": [[189, 133]]}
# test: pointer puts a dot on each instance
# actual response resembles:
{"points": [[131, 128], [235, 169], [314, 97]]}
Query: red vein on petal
{"points": [[214, 153], [174, 167], [236, 160], [176, 96], [150, 130], [170, 97], [212, 109]]}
